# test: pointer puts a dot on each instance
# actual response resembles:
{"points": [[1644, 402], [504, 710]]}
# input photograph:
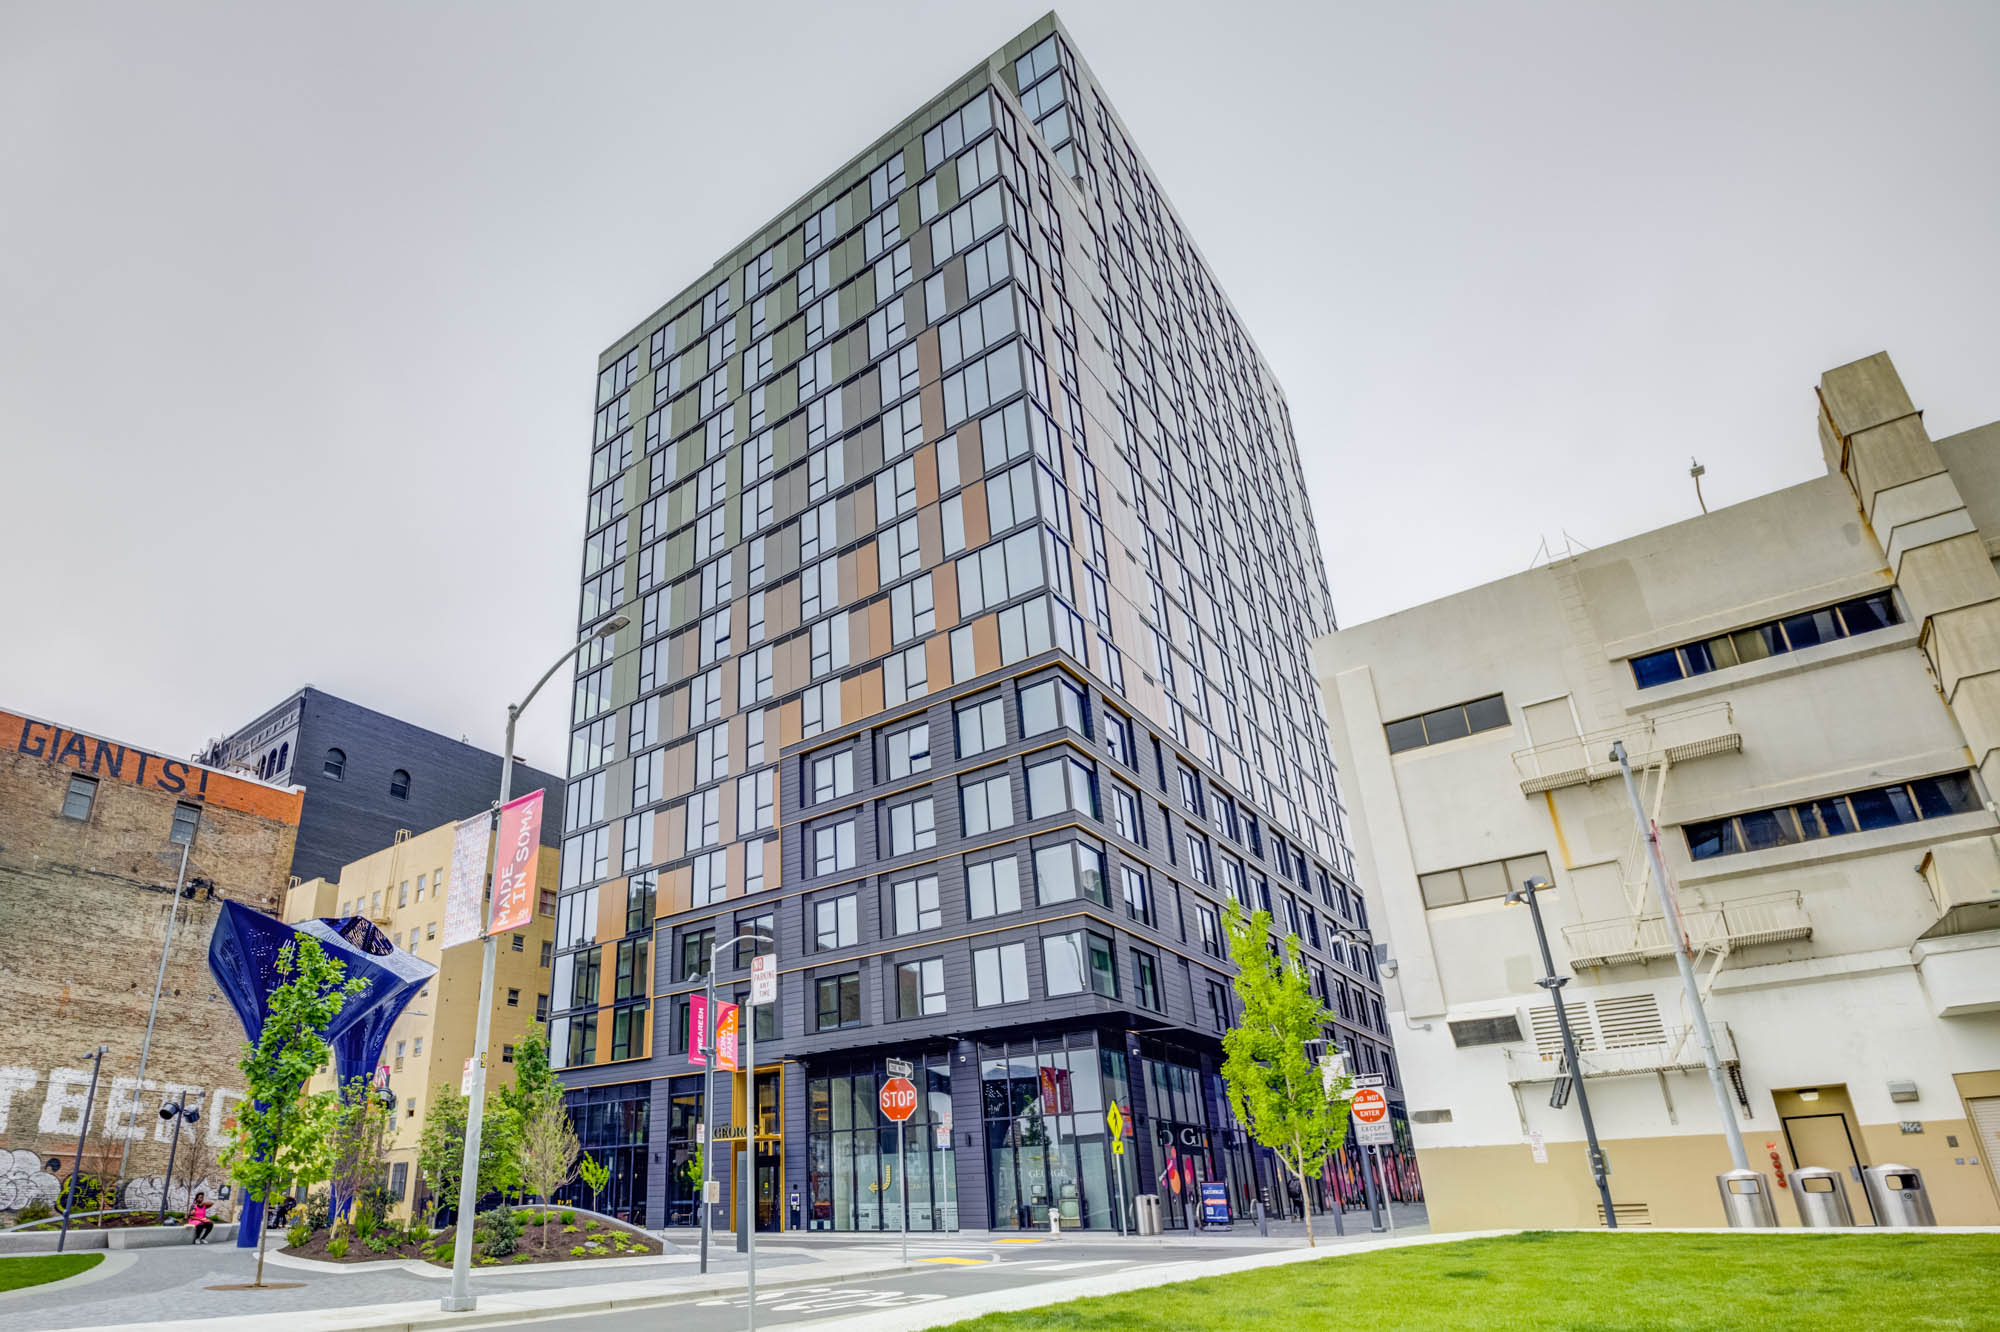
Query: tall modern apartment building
{"points": [[972, 583]]}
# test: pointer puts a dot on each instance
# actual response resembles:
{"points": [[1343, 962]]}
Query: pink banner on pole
{"points": [[514, 869], [697, 1029]]}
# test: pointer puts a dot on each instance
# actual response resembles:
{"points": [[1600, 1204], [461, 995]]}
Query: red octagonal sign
{"points": [[1369, 1106], [899, 1099]]}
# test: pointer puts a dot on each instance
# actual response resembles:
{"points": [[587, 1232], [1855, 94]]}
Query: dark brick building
{"points": [[367, 774]]}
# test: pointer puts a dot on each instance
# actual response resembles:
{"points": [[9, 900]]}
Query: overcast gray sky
{"points": [[300, 305]]}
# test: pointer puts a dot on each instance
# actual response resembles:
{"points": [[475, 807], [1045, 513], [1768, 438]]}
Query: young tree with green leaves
{"points": [[549, 1151], [441, 1149], [534, 1081], [1274, 1084], [358, 1151], [280, 1140]]}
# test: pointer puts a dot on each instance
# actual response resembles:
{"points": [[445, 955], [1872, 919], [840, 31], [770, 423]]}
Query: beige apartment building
{"points": [[400, 889], [1806, 685]]}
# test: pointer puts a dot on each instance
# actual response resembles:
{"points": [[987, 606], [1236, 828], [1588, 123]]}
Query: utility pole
{"points": [[1599, 1170], [1671, 912], [82, 1131], [708, 1049], [159, 983]]}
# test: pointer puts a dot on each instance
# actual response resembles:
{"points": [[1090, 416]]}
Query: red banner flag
{"points": [[514, 869]]}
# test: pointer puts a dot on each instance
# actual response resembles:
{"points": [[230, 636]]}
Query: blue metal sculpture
{"points": [[243, 956]]}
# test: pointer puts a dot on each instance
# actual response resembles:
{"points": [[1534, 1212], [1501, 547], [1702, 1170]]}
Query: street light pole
{"points": [[1553, 983], [1671, 913], [708, 1088], [176, 1111], [82, 1129], [461, 1298]]}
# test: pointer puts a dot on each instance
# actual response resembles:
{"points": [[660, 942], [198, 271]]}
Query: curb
{"points": [[111, 1265], [508, 1309]]}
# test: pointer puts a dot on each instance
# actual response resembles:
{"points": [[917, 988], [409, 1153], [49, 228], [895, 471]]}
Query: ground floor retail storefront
{"points": [[1006, 1134]]}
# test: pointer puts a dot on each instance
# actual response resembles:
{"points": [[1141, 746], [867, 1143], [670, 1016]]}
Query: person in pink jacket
{"points": [[198, 1218]]}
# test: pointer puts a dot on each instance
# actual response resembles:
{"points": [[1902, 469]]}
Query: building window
{"points": [[1474, 883], [541, 1008], [697, 948], [920, 988], [916, 905], [833, 847], [1069, 870], [909, 751], [1078, 960], [912, 827], [1062, 785], [399, 784], [335, 764], [1452, 723], [506, 1054], [513, 998], [836, 922], [186, 819], [992, 887], [548, 948], [839, 1001], [1049, 704], [981, 727], [1146, 979], [986, 805], [1739, 647], [1000, 975], [79, 799], [832, 775], [1218, 1006], [518, 943], [1210, 930], [1833, 816], [1138, 893]]}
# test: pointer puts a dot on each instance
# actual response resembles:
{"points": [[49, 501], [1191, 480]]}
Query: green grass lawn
{"points": [[1543, 1280], [35, 1269]]}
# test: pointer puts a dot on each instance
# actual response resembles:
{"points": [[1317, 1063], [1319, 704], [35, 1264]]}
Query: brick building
{"points": [[92, 836]]}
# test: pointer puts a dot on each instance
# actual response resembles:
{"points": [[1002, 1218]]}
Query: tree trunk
{"points": [[263, 1232], [1305, 1199]]}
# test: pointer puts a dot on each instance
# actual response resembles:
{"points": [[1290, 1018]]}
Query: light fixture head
{"points": [[611, 626]]}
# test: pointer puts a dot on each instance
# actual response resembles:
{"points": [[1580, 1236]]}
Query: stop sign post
{"points": [[899, 1101]]}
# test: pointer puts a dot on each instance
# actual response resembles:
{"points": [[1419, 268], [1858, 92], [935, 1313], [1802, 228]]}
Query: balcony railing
{"points": [[1674, 737], [1677, 1051], [1768, 918]]}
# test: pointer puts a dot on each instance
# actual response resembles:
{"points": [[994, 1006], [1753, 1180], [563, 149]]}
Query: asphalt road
{"points": [[951, 1270]]}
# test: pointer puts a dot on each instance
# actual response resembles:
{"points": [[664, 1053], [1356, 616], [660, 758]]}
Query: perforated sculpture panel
{"points": [[243, 957]]}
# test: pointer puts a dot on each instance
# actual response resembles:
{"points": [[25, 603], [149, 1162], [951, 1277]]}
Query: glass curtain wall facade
{"points": [[971, 582]]}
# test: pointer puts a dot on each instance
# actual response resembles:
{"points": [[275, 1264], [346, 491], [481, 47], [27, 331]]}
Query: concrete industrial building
{"points": [[93, 833], [971, 576], [1806, 683], [401, 889], [368, 774]]}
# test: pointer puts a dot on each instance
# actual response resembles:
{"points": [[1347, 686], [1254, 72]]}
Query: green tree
{"points": [[358, 1152], [441, 1149], [534, 1081], [549, 1151], [280, 1140], [595, 1175], [1274, 1084]]}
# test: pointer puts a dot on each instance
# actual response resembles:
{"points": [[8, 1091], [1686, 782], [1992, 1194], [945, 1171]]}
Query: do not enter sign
{"points": [[898, 1099], [1369, 1106]]}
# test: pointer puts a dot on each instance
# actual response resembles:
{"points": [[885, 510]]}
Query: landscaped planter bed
{"points": [[582, 1237]]}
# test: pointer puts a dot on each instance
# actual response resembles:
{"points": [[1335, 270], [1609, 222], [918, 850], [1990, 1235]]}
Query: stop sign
{"points": [[898, 1099], [1369, 1106]]}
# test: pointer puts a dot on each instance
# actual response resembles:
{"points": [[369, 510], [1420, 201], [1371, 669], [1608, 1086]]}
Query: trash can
{"points": [[1900, 1199], [1821, 1195], [1149, 1213], [1746, 1199]]}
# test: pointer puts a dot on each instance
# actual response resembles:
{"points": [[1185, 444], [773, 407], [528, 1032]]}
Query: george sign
{"points": [[698, 1030], [764, 979], [725, 1037], [898, 1099], [899, 1068], [468, 880], [514, 871], [1538, 1147], [1214, 1203]]}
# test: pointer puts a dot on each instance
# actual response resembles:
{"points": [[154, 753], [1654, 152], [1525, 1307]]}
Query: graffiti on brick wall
{"points": [[24, 1177], [38, 1108]]}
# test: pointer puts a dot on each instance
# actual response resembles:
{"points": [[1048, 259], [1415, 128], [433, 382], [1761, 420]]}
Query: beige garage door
{"points": [[1986, 1123]]}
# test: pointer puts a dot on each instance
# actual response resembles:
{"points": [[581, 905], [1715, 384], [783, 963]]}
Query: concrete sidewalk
{"points": [[506, 1307]]}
